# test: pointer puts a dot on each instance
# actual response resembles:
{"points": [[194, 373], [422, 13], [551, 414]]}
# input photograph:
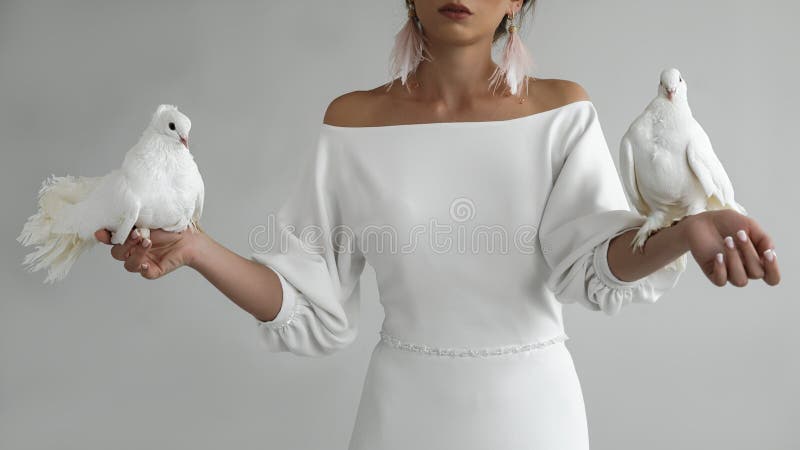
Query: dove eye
{"points": [[172, 125]]}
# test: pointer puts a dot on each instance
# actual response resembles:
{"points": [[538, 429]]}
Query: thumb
{"points": [[103, 236]]}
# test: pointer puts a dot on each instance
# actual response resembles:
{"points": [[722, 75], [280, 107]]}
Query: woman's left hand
{"points": [[711, 232]]}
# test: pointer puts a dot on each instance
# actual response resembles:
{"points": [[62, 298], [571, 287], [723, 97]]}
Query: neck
{"points": [[456, 75], [679, 103]]}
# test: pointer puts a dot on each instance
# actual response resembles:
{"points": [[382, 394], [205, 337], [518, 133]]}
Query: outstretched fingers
{"points": [[122, 251], [772, 275], [765, 248], [737, 274], [719, 273], [750, 258], [137, 256], [133, 252]]}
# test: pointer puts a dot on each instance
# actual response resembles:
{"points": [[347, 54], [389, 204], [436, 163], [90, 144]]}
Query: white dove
{"points": [[668, 167], [158, 186]]}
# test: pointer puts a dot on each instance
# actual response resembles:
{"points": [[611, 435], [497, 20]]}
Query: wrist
{"points": [[682, 227], [198, 245]]}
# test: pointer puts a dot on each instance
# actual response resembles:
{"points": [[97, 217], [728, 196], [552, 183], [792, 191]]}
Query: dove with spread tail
{"points": [[668, 167], [157, 186]]}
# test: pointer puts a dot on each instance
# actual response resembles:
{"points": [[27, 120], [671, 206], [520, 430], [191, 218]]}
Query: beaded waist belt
{"points": [[461, 352]]}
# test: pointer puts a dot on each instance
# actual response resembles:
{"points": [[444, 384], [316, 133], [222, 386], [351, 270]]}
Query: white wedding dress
{"points": [[478, 232]]}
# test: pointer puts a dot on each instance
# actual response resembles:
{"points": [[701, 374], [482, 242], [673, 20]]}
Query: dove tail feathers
{"points": [[55, 251]]}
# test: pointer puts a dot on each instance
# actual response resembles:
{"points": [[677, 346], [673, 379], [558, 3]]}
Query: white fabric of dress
{"points": [[479, 233]]}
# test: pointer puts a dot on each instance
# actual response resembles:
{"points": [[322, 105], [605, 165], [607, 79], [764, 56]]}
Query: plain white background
{"points": [[107, 359]]}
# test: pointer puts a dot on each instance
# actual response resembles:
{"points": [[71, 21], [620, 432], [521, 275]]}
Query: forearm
{"points": [[252, 286], [661, 248]]}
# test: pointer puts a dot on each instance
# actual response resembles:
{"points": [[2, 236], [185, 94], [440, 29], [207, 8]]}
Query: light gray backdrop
{"points": [[107, 359]]}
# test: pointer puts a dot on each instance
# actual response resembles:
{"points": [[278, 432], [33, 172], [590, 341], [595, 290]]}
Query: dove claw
{"points": [[640, 238], [117, 238], [144, 233]]}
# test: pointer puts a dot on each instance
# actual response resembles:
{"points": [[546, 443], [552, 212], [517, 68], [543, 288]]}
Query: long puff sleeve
{"points": [[585, 210], [317, 261]]}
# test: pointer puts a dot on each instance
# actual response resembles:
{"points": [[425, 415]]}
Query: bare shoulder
{"points": [[349, 108], [365, 107], [552, 93], [379, 105]]}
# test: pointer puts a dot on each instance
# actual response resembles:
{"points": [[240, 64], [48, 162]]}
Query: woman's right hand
{"points": [[155, 257], [253, 286]]}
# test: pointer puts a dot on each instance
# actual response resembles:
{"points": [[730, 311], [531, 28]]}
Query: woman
{"points": [[471, 354]]}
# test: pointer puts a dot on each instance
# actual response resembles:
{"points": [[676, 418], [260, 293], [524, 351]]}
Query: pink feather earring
{"points": [[409, 48], [516, 62]]}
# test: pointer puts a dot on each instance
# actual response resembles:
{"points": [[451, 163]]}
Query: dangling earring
{"points": [[516, 63], [409, 48]]}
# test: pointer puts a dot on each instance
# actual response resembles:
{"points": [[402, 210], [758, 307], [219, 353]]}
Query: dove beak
{"points": [[670, 93], [185, 142]]}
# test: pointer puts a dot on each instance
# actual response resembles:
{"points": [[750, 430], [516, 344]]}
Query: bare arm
{"points": [[662, 247], [704, 235], [252, 286]]}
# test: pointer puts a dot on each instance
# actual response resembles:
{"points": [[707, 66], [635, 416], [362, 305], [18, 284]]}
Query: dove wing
{"points": [[108, 203], [628, 173], [707, 167], [128, 220], [127, 206], [198, 207]]}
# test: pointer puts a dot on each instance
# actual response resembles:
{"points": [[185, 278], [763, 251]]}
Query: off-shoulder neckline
{"points": [[462, 123]]}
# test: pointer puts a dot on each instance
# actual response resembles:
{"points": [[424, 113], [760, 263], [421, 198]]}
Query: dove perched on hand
{"points": [[157, 186], [668, 167]]}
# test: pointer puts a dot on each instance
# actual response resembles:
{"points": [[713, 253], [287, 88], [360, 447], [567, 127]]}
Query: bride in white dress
{"points": [[482, 216]]}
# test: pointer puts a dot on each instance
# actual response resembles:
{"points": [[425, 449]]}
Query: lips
{"points": [[455, 7]]}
